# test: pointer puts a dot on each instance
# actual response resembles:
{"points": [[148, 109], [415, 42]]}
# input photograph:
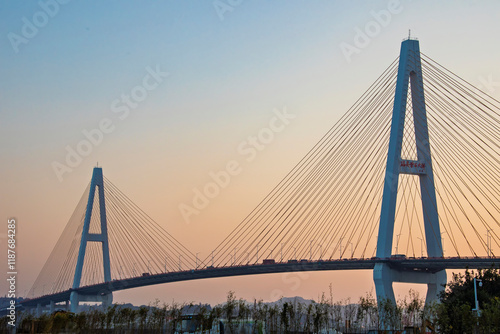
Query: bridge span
{"points": [[372, 171], [409, 264]]}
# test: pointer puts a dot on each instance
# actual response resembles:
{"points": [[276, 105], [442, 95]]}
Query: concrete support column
{"points": [[74, 301], [75, 298], [436, 287], [384, 276]]}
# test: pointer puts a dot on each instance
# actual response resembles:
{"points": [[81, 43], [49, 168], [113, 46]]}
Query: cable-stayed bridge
{"points": [[413, 162]]}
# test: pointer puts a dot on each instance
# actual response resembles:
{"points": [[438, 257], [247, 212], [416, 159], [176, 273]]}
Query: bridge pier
{"points": [[384, 276], [75, 298], [435, 288]]}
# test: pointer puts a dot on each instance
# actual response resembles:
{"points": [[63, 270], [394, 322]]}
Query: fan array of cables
{"points": [[137, 245], [464, 128], [328, 205]]}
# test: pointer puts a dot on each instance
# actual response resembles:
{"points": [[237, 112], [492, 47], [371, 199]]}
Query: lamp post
{"points": [[442, 240], [340, 242], [421, 247], [478, 312], [281, 252], [397, 242], [488, 242]]}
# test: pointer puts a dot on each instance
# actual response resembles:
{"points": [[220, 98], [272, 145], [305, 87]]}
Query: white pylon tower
{"points": [[384, 275], [105, 297]]}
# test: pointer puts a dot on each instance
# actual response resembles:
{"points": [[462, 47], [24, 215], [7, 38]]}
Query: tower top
{"points": [[409, 37]]}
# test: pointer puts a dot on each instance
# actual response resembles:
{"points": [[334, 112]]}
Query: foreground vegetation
{"points": [[452, 315]]}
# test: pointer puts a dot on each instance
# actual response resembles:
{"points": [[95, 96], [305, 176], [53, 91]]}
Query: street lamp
{"points": [[234, 256], [442, 241], [478, 312], [421, 247], [488, 242], [397, 242], [281, 252], [340, 242]]}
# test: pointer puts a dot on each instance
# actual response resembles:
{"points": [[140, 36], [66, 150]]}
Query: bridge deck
{"points": [[431, 265]]}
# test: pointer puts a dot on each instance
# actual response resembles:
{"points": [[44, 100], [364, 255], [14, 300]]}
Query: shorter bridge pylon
{"points": [[105, 297]]}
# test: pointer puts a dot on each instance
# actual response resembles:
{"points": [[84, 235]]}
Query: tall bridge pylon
{"points": [[409, 77], [87, 236]]}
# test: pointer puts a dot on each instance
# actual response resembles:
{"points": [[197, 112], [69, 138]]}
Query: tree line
{"points": [[452, 314]]}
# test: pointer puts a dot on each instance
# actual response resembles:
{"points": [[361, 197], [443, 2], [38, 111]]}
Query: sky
{"points": [[168, 91]]}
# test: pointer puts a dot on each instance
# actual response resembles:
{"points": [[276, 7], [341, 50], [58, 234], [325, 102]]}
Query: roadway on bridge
{"points": [[430, 265]]}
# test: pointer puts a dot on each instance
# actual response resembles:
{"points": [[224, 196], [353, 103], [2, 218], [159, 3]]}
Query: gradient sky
{"points": [[227, 73]]}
